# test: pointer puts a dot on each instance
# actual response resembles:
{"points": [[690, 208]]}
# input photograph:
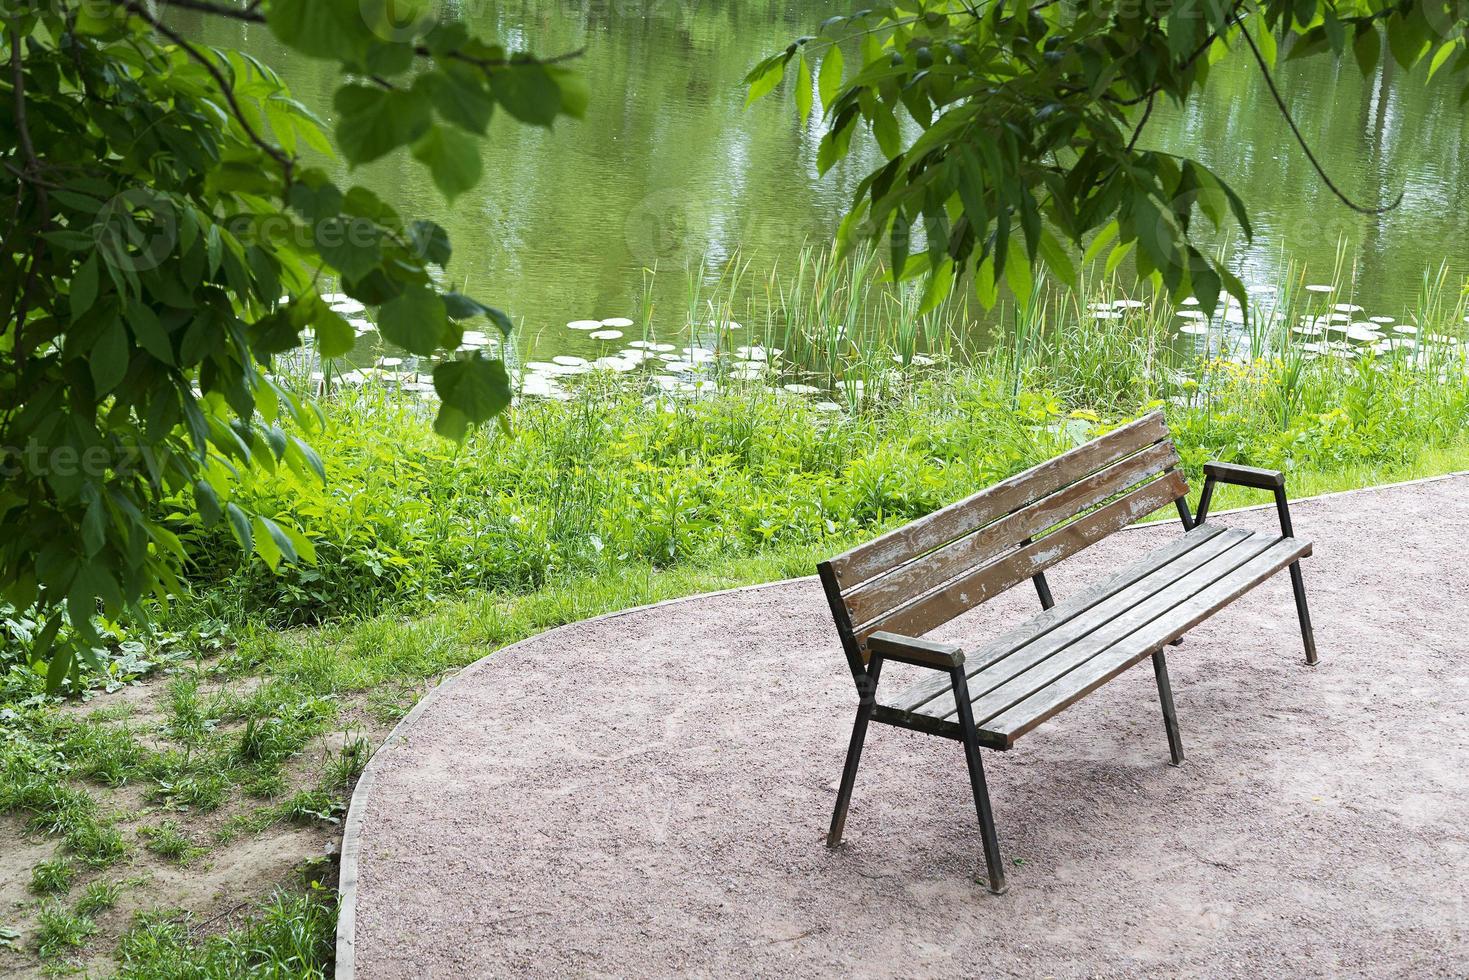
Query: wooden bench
{"points": [[887, 593]]}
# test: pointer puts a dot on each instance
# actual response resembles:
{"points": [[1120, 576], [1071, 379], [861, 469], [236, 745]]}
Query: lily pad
{"points": [[585, 324], [605, 335], [1362, 332]]}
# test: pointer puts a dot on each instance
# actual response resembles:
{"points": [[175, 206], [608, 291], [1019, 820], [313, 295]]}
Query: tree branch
{"points": [[275, 153], [1295, 130], [31, 175], [252, 15]]}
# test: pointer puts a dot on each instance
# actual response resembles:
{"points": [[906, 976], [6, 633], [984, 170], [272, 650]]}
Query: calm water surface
{"points": [[669, 167]]}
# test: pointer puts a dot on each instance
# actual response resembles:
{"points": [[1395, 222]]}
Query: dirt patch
{"points": [[647, 794], [232, 868]]}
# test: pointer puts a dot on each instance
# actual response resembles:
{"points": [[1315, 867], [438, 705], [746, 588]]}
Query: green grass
{"points": [[52, 877], [99, 896], [168, 840], [290, 936], [62, 931]]}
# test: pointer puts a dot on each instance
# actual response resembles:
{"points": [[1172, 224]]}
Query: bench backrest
{"points": [[923, 574]]}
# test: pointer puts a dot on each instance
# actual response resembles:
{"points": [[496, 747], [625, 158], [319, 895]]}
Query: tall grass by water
{"points": [[871, 414]]}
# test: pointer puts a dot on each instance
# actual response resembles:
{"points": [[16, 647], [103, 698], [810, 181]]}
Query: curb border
{"points": [[346, 965]]}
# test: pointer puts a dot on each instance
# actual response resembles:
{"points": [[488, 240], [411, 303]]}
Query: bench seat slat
{"points": [[1078, 614], [1149, 633], [1031, 670]]}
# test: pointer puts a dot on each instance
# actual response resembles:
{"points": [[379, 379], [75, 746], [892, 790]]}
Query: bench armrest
{"points": [[1245, 476], [915, 651]]}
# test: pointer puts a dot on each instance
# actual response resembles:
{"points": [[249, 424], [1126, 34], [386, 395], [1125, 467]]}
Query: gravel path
{"points": [[646, 794]]}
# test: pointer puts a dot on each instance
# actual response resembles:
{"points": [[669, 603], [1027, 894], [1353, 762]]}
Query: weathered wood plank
{"points": [[903, 544], [943, 604], [1017, 677], [1029, 713], [1072, 617], [878, 595]]}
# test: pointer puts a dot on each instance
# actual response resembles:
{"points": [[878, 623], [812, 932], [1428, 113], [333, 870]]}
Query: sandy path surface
{"points": [[647, 794]]}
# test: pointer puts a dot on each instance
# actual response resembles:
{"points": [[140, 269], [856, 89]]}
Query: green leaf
{"points": [[332, 29], [575, 92], [240, 525], [528, 92], [416, 320], [461, 307], [1440, 56], [108, 360], [1018, 272], [430, 242], [266, 545], [152, 337], [334, 335], [348, 244], [885, 129], [207, 501], [452, 159], [1057, 259], [374, 121], [829, 80], [476, 387], [94, 526], [803, 88], [451, 423], [1367, 48], [459, 96], [936, 290], [1206, 285], [84, 287], [1115, 257], [985, 286], [766, 76], [1265, 39], [281, 541], [61, 663]]}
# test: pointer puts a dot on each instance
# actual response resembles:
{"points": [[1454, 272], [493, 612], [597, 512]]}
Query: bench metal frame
{"points": [[948, 658]]}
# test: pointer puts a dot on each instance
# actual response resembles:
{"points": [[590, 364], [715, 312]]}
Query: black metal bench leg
{"points": [[849, 774], [1170, 717], [1308, 636], [994, 865]]}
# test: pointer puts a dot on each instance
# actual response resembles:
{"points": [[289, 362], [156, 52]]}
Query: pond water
{"points": [[669, 167]]}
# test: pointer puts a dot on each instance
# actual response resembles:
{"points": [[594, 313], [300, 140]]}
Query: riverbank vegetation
{"points": [[216, 754]]}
